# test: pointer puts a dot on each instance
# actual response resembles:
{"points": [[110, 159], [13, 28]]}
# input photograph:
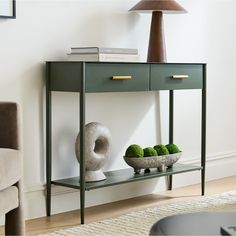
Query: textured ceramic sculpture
{"points": [[97, 148]]}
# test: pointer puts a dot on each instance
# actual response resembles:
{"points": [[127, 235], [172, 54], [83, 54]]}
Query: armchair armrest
{"points": [[9, 135]]}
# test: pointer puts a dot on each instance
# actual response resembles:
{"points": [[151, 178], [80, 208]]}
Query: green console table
{"points": [[96, 77]]}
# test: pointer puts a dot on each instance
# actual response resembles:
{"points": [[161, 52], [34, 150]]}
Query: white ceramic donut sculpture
{"points": [[97, 148]]}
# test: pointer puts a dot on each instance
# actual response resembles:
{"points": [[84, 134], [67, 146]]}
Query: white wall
{"points": [[45, 30]]}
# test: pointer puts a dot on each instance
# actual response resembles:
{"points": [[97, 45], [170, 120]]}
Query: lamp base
{"points": [[157, 49]]}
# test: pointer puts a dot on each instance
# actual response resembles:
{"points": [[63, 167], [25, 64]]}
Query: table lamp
{"points": [[156, 49]]}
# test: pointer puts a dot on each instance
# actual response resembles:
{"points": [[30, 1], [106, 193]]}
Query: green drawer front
{"points": [[161, 76], [98, 77], [65, 76]]}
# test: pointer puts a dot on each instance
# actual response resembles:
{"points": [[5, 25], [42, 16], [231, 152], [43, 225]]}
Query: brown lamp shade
{"points": [[165, 6]]}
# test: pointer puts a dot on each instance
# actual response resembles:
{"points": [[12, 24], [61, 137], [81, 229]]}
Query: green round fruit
{"points": [[149, 151], [134, 150], [161, 150], [172, 148]]}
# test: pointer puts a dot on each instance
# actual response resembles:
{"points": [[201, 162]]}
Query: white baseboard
{"points": [[66, 199]]}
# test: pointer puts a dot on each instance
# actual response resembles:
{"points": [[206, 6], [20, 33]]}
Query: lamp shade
{"points": [[165, 6]]}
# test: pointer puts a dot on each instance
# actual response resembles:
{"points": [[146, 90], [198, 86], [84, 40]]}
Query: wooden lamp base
{"points": [[156, 49]]}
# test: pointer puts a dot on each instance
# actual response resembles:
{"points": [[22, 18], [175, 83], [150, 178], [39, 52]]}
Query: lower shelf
{"points": [[125, 176]]}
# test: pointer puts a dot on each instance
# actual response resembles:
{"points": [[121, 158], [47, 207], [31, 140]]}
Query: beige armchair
{"points": [[11, 169]]}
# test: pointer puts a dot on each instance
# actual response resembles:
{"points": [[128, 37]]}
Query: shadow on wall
{"points": [[129, 116]]}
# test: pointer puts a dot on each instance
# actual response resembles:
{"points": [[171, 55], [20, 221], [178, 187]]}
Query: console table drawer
{"points": [[116, 77], [176, 76]]}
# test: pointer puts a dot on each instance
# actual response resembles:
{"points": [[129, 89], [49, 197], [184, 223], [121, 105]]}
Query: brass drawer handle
{"points": [[121, 77], [180, 76]]}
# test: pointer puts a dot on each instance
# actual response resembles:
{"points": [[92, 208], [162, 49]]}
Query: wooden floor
{"points": [[69, 219]]}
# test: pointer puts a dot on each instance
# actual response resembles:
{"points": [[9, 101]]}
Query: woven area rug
{"points": [[140, 222]]}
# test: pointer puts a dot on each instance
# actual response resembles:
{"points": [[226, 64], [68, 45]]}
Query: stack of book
{"points": [[103, 54]]}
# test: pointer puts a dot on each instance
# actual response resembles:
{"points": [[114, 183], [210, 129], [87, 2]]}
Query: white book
{"points": [[104, 50], [103, 57]]}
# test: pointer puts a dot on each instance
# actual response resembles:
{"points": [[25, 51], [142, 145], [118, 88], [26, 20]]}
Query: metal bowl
{"points": [[139, 163]]}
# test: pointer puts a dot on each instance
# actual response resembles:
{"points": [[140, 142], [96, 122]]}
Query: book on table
{"points": [[103, 57], [103, 50]]}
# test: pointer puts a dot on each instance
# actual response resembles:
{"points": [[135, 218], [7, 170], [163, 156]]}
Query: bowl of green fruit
{"points": [[151, 157]]}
